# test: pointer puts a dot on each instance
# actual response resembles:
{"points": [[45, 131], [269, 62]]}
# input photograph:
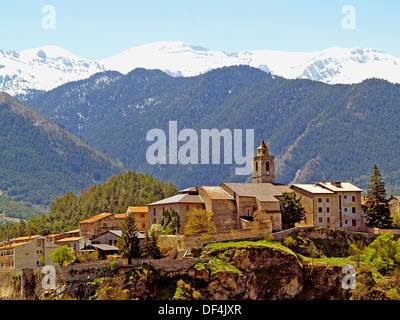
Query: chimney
{"points": [[337, 184]]}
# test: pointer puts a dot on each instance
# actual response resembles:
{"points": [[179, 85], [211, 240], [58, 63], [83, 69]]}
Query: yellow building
{"points": [[141, 215], [331, 204], [26, 252]]}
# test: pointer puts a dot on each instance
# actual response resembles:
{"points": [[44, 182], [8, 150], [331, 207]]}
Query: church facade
{"points": [[239, 205]]}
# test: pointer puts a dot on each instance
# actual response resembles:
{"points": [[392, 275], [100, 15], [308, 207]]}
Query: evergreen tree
{"points": [[128, 244], [153, 245], [378, 212], [291, 208]]}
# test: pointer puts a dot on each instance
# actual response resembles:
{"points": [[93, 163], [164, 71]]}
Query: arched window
{"points": [[267, 166], [256, 166]]}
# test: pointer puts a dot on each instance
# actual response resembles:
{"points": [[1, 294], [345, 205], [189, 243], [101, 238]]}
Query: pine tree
{"points": [[153, 245], [291, 208], [128, 244], [378, 212]]}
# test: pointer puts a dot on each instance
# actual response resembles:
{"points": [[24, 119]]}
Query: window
{"points": [[345, 209], [154, 211], [143, 225], [327, 200], [353, 209], [256, 166], [345, 197], [353, 199], [328, 219], [320, 219], [320, 210], [327, 209], [305, 219], [320, 200], [142, 215]]}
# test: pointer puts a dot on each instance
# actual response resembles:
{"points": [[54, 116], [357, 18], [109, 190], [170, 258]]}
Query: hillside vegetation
{"points": [[119, 192], [39, 161], [316, 131]]}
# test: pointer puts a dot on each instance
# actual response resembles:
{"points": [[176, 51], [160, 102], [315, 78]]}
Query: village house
{"points": [[394, 206], [331, 204], [181, 203], [111, 238], [103, 222], [141, 215], [26, 252], [75, 243], [58, 236]]}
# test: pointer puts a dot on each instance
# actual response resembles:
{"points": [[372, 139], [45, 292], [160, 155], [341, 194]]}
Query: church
{"points": [[233, 204], [236, 205]]}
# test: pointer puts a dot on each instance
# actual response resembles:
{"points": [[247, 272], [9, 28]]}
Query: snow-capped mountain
{"points": [[43, 68], [48, 67]]}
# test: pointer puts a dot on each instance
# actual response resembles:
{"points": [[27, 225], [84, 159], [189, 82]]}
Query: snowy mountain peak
{"points": [[47, 67]]}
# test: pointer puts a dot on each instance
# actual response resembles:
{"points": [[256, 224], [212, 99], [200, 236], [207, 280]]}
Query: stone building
{"points": [[263, 165], [394, 206], [233, 204], [239, 205], [26, 252], [75, 243], [96, 225], [181, 203], [331, 204]]}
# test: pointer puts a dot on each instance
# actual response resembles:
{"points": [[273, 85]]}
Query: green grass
{"points": [[216, 264], [239, 244]]}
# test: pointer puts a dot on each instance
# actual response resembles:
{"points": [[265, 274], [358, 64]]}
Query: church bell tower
{"points": [[263, 165]]}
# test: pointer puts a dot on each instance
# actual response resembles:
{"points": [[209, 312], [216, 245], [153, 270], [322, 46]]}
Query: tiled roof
{"points": [[96, 218], [312, 188], [69, 239], [344, 186], [264, 192], [138, 209]]}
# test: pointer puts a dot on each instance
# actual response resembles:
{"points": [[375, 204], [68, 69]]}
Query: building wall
{"points": [[29, 255], [307, 200], [90, 230], [225, 213], [394, 207], [156, 212], [341, 209], [107, 238], [142, 221], [75, 245]]}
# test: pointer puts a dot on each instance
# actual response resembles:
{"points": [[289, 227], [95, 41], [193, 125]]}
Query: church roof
{"points": [[216, 192], [179, 198], [264, 192], [262, 145]]}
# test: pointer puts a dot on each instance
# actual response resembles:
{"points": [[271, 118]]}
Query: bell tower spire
{"points": [[263, 165]]}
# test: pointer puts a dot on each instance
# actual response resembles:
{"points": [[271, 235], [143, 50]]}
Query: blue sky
{"points": [[98, 29]]}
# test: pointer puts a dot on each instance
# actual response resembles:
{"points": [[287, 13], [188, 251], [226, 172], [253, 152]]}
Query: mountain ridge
{"points": [[45, 68], [315, 130], [40, 161]]}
